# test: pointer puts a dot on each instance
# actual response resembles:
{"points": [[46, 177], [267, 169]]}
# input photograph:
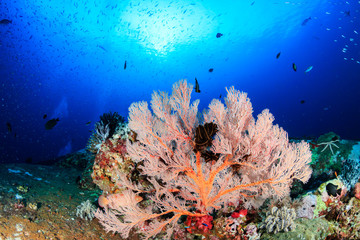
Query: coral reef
{"points": [[328, 154], [279, 219], [350, 172], [195, 167], [111, 160], [345, 219]]}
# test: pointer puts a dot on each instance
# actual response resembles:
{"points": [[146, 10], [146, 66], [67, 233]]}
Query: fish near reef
{"points": [[294, 67], [197, 86], [51, 123]]}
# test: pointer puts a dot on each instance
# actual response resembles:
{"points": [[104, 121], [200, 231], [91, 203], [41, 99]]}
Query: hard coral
{"points": [[111, 159]]}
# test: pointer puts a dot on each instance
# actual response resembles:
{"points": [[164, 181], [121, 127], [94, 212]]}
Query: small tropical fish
{"points": [[125, 65], [51, 123], [305, 21], [308, 69], [45, 116], [278, 55], [294, 67], [252, 3], [197, 86], [347, 13], [302, 101], [333, 190], [88, 122], [9, 127], [218, 35], [220, 96], [5, 21], [211, 70]]}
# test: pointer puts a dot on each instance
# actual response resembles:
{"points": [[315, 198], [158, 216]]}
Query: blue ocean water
{"points": [[66, 59]]}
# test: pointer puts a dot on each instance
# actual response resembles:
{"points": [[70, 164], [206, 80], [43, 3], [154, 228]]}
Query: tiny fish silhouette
{"points": [[294, 67], [211, 70], [5, 21], [197, 86], [125, 65], [51, 123], [305, 21], [218, 35], [278, 55]]}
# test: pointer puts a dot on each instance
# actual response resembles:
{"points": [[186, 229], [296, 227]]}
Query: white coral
{"points": [[86, 210]]}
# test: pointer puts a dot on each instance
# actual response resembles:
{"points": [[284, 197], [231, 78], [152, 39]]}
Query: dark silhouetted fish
{"points": [[197, 86], [211, 70], [333, 190], [347, 13], [101, 47], [302, 101], [125, 65], [294, 67], [9, 127], [218, 35], [252, 3], [305, 21], [5, 21], [51, 123], [45, 116], [88, 122], [278, 55]]}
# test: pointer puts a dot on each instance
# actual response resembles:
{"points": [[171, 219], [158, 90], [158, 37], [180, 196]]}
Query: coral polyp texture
{"points": [[195, 165], [279, 219]]}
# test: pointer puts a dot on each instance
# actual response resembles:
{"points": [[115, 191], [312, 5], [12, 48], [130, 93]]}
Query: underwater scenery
{"points": [[169, 119]]}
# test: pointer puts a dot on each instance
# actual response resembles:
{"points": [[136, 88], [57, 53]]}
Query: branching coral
{"points": [[251, 160]]}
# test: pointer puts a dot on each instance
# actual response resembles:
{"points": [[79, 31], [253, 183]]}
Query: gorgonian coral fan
{"points": [[250, 161]]}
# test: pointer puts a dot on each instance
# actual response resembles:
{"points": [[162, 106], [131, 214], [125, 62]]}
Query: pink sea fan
{"points": [[251, 160]]}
